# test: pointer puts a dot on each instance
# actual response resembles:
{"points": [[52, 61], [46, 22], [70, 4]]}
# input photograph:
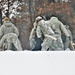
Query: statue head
{"points": [[38, 18], [54, 18], [6, 19]]}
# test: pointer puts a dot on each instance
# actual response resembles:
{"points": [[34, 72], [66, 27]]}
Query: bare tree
{"points": [[0, 13]]}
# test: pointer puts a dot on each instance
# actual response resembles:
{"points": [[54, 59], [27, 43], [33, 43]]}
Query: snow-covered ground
{"points": [[37, 63]]}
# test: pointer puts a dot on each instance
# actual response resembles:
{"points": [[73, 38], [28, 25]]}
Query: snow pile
{"points": [[37, 63]]}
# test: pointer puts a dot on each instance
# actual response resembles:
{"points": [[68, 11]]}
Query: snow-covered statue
{"points": [[35, 42], [63, 1], [49, 39], [58, 27], [68, 43], [7, 28], [8, 39]]}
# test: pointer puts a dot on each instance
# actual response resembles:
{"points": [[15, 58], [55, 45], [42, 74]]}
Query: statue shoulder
{"points": [[2, 26]]}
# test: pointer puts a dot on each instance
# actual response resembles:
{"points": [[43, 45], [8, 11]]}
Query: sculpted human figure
{"points": [[68, 42], [58, 27], [8, 39], [7, 28], [44, 29], [35, 42]]}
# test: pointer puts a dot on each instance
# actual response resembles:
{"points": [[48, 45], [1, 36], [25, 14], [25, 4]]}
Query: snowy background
{"points": [[37, 63], [13, 7]]}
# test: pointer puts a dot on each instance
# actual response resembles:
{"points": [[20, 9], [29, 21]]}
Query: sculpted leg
{"points": [[17, 44]]}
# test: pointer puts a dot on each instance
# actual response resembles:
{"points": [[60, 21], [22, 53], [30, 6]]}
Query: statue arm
{"points": [[70, 35], [1, 32], [64, 30], [16, 31], [2, 40], [32, 34], [33, 31], [51, 31], [38, 32]]}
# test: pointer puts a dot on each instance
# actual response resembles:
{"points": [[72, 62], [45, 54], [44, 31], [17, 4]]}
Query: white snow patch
{"points": [[37, 63]]}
